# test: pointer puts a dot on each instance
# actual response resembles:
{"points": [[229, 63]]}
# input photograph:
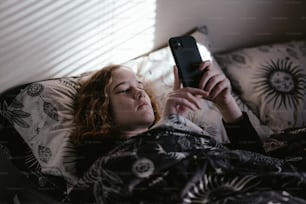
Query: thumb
{"points": [[177, 81]]}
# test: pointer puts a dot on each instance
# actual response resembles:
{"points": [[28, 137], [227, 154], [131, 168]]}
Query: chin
{"points": [[149, 118]]}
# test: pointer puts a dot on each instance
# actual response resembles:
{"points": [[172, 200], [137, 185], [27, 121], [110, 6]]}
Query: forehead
{"points": [[123, 74]]}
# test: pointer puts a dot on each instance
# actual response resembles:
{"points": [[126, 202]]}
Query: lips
{"points": [[142, 105]]}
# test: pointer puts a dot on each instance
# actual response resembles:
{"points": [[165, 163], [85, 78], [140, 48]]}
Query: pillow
{"points": [[156, 69], [42, 114], [11, 143], [270, 79], [18, 151]]}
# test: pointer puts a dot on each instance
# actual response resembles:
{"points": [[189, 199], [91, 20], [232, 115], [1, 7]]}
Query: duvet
{"points": [[174, 164]]}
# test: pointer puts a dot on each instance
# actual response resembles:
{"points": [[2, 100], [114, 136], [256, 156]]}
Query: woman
{"points": [[158, 164]]}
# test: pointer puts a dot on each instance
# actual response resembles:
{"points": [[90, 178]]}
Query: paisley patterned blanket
{"points": [[175, 163]]}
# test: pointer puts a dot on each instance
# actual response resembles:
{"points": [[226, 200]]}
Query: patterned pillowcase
{"points": [[156, 69], [270, 79], [11, 143], [42, 114]]}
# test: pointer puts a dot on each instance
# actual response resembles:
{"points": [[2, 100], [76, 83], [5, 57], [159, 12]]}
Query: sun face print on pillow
{"points": [[271, 80]]}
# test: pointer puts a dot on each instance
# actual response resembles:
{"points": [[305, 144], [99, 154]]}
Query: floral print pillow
{"points": [[271, 80], [42, 114]]}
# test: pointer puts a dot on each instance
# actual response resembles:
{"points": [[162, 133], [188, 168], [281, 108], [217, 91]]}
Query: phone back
{"points": [[187, 58]]}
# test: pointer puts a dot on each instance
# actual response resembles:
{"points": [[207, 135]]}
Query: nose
{"points": [[139, 94]]}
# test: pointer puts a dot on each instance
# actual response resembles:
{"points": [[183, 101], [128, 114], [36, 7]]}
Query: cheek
{"points": [[119, 104], [149, 100]]}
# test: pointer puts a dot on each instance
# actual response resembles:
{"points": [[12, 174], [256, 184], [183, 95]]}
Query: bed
{"points": [[268, 84]]}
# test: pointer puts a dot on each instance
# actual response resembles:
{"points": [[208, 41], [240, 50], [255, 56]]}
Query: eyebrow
{"points": [[124, 82], [121, 83]]}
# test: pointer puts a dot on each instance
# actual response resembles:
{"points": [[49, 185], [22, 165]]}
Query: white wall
{"points": [[233, 23]]}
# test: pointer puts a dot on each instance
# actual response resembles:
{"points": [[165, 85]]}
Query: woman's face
{"points": [[131, 106]]}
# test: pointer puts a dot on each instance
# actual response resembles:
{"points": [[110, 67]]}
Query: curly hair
{"points": [[93, 115]]}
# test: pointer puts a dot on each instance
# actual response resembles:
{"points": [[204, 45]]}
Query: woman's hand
{"points": [[180, 100], [218, 90], [215, 84]]}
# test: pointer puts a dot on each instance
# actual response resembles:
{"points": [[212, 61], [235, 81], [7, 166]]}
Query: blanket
{"points": [[173, 163]]}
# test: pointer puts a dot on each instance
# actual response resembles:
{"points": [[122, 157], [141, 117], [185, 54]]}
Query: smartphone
{"points": [[187, 59]]}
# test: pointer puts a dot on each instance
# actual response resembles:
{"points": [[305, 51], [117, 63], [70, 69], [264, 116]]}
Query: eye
{"points": [[141, 87], [124, 90]]}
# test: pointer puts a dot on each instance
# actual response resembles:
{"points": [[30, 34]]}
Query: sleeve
{"points": [[242, 135]]}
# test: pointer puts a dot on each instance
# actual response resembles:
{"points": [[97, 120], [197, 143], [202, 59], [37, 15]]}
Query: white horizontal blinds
{"points": [[43, 39], [133, 28]]}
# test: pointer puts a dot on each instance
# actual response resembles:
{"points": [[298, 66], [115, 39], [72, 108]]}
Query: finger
{"points": [[213, 81], [183, 103], [186, 95], [177, 81], [206, 77], [205, 65], [221, 88], [189, 90]]}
